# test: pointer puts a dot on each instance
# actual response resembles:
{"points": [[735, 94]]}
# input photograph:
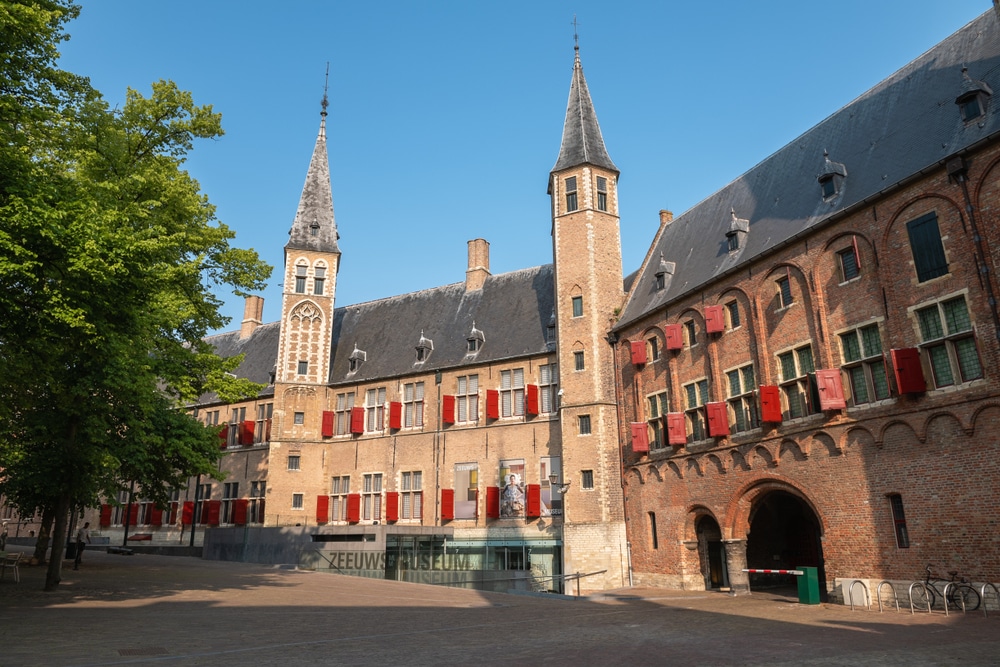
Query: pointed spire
{"points": [[315, 227], [581, 141]]}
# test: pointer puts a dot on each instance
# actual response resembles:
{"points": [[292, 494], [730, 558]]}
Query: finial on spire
{"points": [[326, 86], [576, 37]]}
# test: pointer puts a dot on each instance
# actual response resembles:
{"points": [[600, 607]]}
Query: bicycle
{"points": [[961, 594]]}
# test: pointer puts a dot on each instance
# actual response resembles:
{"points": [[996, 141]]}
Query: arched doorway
{"points": [[711, 553], [784, 534]]}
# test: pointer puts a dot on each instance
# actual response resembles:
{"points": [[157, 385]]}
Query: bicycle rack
{"points": [[850, 594], [878, 595], [927, 596], [982, 594]]}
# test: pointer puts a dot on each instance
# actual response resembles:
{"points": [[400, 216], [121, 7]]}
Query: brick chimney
{"points": [[253, 311], [479, 264], [666, 217]]}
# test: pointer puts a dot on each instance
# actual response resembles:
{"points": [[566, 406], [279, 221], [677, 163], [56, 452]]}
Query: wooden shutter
{"points": [[353, 507], [638, 352], [213, 512], [246, 432], [172, 519], [493, 502], [155, 516], [223, 436], [447, 504], [322, 509], [640, 437], [532, 403], [492, 404], [133, 515], [328, 420], [715, 321], [391, 506], [770, 404], [676, 428], [908, 370], [187, 513], [240, 511], [447, 409], [105, 516], [831, 389], [675, 336], [357, 420], [718, 419], [533, 504], [395, 415]]}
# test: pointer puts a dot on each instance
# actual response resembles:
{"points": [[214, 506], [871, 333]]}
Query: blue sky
{"points": [[445, 117]]}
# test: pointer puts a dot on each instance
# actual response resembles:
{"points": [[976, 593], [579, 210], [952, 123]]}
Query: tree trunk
{"points": [[59, 537], [44, 531]]}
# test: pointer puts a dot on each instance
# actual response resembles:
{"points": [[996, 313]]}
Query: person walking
{"points": [[82, 539]]}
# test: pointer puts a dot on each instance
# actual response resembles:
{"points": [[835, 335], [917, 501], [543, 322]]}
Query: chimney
{"points": [[666, 217], [253, 311], [479, 264]]}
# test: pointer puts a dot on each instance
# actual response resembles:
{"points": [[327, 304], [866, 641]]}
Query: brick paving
{"points": [[161, 610]]}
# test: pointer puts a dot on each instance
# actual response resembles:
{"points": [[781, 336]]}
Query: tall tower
{"points": [[588, 276]]}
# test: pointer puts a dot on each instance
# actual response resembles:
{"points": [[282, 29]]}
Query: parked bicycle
{"points": [[961, 594]]}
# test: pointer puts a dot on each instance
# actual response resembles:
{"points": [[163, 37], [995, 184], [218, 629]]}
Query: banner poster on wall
{"points": [[511, 488]]}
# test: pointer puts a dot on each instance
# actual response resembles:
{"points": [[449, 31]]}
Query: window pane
{"points": [[787, 361], [879, 380], [748, 380], [941, 366], [858, 386], [968, 359], [734, 383], [703, 391], [849, 262], [871, 340], [852, 350], [956, 316], [928, 253], [930, 323], [692, 396], [805, 355]]}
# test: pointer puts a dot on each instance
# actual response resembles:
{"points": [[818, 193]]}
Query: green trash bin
{"points": [[808, 585]]}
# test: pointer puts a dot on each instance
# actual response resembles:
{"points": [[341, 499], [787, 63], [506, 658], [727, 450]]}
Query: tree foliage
{"points": [[109, 253]]}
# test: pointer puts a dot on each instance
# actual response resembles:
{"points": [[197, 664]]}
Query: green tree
{"points": [[109, 254]]}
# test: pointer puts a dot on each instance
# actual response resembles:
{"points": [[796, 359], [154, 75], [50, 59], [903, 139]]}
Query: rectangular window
{"points": [[784, 292], [371, 497], [690, 333], [230, 492], [294, 461], [653, 348], [466, 490], [577, 306], [863, 364], [413, 405], [342, 420], [899, 521], [303, 367], [512, 393], [255, 508], [571, 194], [235, 421], [578, 360], [733, 310], [925, 244], [795, 366], [584, 421], [548, 388], [262, 429], [949, 341], [411, 495], [602, 193], [299, 418], [374, 409], [657, 409], [297, 501], [339, 488], [742, 401], [300, 279], [587, 479], [848, 264], [467, 398], [319, 276], [696, 394]]}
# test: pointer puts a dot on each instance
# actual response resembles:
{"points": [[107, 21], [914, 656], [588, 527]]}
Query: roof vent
{"points": [[357, 358], [831, 179], [974, 97], [738, 230]]}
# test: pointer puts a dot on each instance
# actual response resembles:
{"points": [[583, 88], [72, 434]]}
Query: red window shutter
{"points": [[638, 352], [909, 372], [447, 504], [155, 516], [532, 403], [492, 404], [831, 389], [715, 321], [133, 515], [718, 419], [172, 519], [240, 511], [395, 415], [267, 430], [533, 501], [770, 404], [675, 336], [322, 509], [328, 417], [223, 436], [187, 513], [493, 502], [214, 507], [357, 420], [447, 409], [353, 507], [676, 428], [391, 506], [246, 432], [640, 437], [105, 516]]}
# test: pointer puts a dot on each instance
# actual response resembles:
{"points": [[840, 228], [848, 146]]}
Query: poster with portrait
{"points": [[512, 488]]}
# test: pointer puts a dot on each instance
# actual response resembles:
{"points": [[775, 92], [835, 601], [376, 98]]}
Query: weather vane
{"points": [[326, 86], [576, 37]]}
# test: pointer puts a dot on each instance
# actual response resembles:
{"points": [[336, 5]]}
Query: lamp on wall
{"points": [[561, 487]]}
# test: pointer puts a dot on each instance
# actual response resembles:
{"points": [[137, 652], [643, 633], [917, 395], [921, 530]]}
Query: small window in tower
{"points": [[602, 193], [303, 367], [299, 418], [571, 194], [577, 306], [584, 423], [578, 360], [784, 292], [300, 279], [319, 279], [587, 479], [314, 229]]}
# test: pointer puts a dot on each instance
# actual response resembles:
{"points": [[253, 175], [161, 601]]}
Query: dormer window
{"points": [[831, 179], [828, 187], [357, 358], [475, 340], [571, 194], [314, 229], [424, 348], [732, 242], [602, 193], [974, 97], [663, 273], [550, 331]]}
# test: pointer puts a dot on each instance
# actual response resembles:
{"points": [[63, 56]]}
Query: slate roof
{"points": [[904, 125], [315, 212], [261, 350], [581, 140]]}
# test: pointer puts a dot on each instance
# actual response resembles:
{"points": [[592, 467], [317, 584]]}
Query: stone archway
{"points": [[785, 533]]}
